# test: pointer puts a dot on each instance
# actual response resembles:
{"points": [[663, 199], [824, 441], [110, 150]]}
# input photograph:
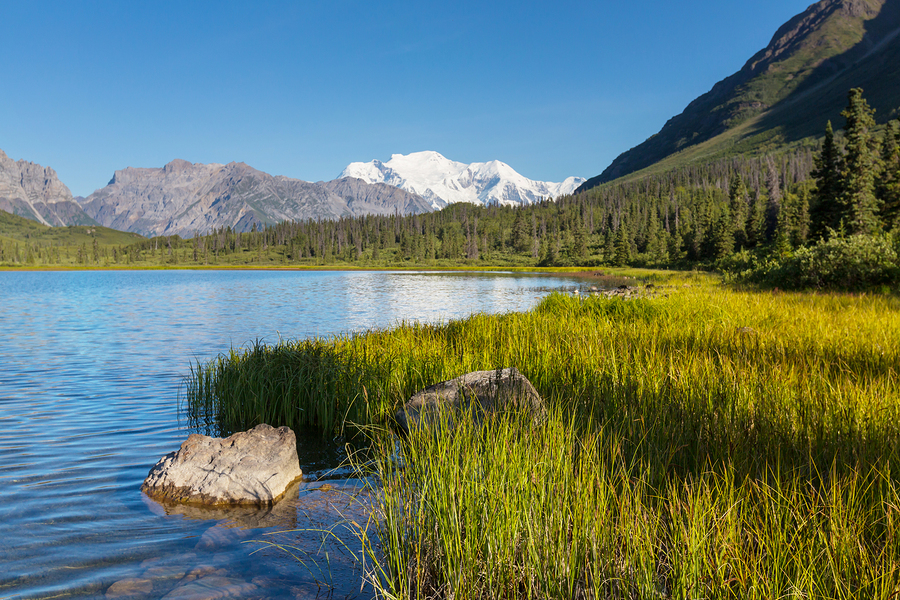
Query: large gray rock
{"points": [[481, 391], [251, 467]]}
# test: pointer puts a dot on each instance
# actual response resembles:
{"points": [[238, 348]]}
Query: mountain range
{"points": [[786, 92], [442, 181], [184, 198]]}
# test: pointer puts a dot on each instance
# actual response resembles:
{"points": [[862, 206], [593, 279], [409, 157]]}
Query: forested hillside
{"points": [[670, 219], [749, 215]]}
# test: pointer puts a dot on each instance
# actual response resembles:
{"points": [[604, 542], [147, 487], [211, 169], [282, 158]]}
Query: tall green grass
{"points": [[513, 511], [707, 443]]}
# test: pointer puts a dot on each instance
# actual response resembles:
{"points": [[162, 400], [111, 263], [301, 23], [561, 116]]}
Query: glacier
{"points": [[442, 181]]}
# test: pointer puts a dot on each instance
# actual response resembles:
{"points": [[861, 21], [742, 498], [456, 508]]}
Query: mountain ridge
{"points": [[183, 198], [443, 181], [787, 91], [35, 192]]}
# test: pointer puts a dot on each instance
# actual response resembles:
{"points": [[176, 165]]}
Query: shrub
{"points": [[856, 262]]}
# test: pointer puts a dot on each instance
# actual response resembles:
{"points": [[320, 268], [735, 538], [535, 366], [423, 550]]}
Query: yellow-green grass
{"points": [[566, 510], [704, 442]]}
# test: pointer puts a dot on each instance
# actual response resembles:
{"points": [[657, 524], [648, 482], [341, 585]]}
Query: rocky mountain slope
{"points": [[442, 181], [29, 190], [788, 90], [182, 198], [375, 198]]}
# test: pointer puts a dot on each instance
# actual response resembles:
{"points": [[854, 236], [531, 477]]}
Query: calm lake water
{"points": [[90, 369]]}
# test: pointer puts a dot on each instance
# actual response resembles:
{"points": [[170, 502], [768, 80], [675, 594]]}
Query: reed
{"points": [[704, 443]]}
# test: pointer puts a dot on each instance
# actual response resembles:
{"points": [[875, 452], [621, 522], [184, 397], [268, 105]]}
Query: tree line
{"points": [[849, 183]]}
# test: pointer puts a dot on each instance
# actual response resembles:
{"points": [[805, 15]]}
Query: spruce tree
{"points": [[521, 241], [858, 184], [889, 182], [740, 210], [623, 247], [826, 211], [579, 240], [787, 223], [801, 228], [609, 246], [721, 237], [775, 199], [756, 223]]}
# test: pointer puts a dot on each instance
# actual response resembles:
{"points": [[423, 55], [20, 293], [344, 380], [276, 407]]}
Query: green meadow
{"points": [[24, 242], [703, 442]]}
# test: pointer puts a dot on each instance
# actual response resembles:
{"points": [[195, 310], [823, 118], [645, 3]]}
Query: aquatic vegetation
{"points": [[703, 442]]}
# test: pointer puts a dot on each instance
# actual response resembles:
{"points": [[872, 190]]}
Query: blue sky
{"points": [[302, 88]]}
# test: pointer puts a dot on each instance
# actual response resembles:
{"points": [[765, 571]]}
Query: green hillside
{"points": [[14, 227], [783, 94]]}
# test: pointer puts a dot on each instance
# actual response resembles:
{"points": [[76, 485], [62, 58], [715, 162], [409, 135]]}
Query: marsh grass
{"points": [[708, 443], [513, 511]]}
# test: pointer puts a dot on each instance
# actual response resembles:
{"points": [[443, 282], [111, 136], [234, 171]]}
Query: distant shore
{"points": [[589, 272]]}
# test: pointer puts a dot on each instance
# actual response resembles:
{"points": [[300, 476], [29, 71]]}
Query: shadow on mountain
{"points": [[787, 91], [873, 65]]}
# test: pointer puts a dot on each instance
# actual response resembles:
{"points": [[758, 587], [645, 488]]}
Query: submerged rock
{"points": [[212, 586], [130, 588], [251, 467], [483, 391]]}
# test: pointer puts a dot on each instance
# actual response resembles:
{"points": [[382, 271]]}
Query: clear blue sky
{"points": [[303, 88]]}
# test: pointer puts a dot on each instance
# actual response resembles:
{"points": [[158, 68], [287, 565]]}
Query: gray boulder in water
{"points": [[482, 392], [250, 467]]}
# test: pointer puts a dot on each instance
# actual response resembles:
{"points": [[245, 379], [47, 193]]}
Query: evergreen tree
{"points": [[609, 247], [579, 240], [858, 184], [801, 226], [740, 210], [657, 243], [775, 199], [722, 236], [550, 250], [756, 223], [676, 251], [889, 182], [826, 211], [787, 223], [623, 247], [521, 241]]}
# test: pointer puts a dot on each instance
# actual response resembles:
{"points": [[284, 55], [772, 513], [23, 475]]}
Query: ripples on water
{"points": [[90, 368]]}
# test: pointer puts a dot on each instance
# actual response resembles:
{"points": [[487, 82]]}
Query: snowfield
{"points": [[442, 181]]}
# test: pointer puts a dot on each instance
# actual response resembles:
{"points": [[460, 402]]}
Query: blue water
{"points": [[90, 369]]}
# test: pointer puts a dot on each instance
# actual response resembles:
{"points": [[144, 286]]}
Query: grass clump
{"points": [[707, 443], [562, 511]]}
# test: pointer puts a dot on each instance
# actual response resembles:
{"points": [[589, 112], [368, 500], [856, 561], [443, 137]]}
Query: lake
{"points": [[91, 365]]}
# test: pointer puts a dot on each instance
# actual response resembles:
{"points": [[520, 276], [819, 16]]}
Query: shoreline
{"points": [[559, 271]]}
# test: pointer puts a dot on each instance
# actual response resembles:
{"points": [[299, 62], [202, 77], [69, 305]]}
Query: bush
{"points": [[856, 262]]}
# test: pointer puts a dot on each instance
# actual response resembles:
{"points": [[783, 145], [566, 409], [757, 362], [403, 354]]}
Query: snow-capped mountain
{"points": [[442, 181]]}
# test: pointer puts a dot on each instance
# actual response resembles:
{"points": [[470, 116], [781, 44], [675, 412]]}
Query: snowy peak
{"points": [[442, 181]]}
